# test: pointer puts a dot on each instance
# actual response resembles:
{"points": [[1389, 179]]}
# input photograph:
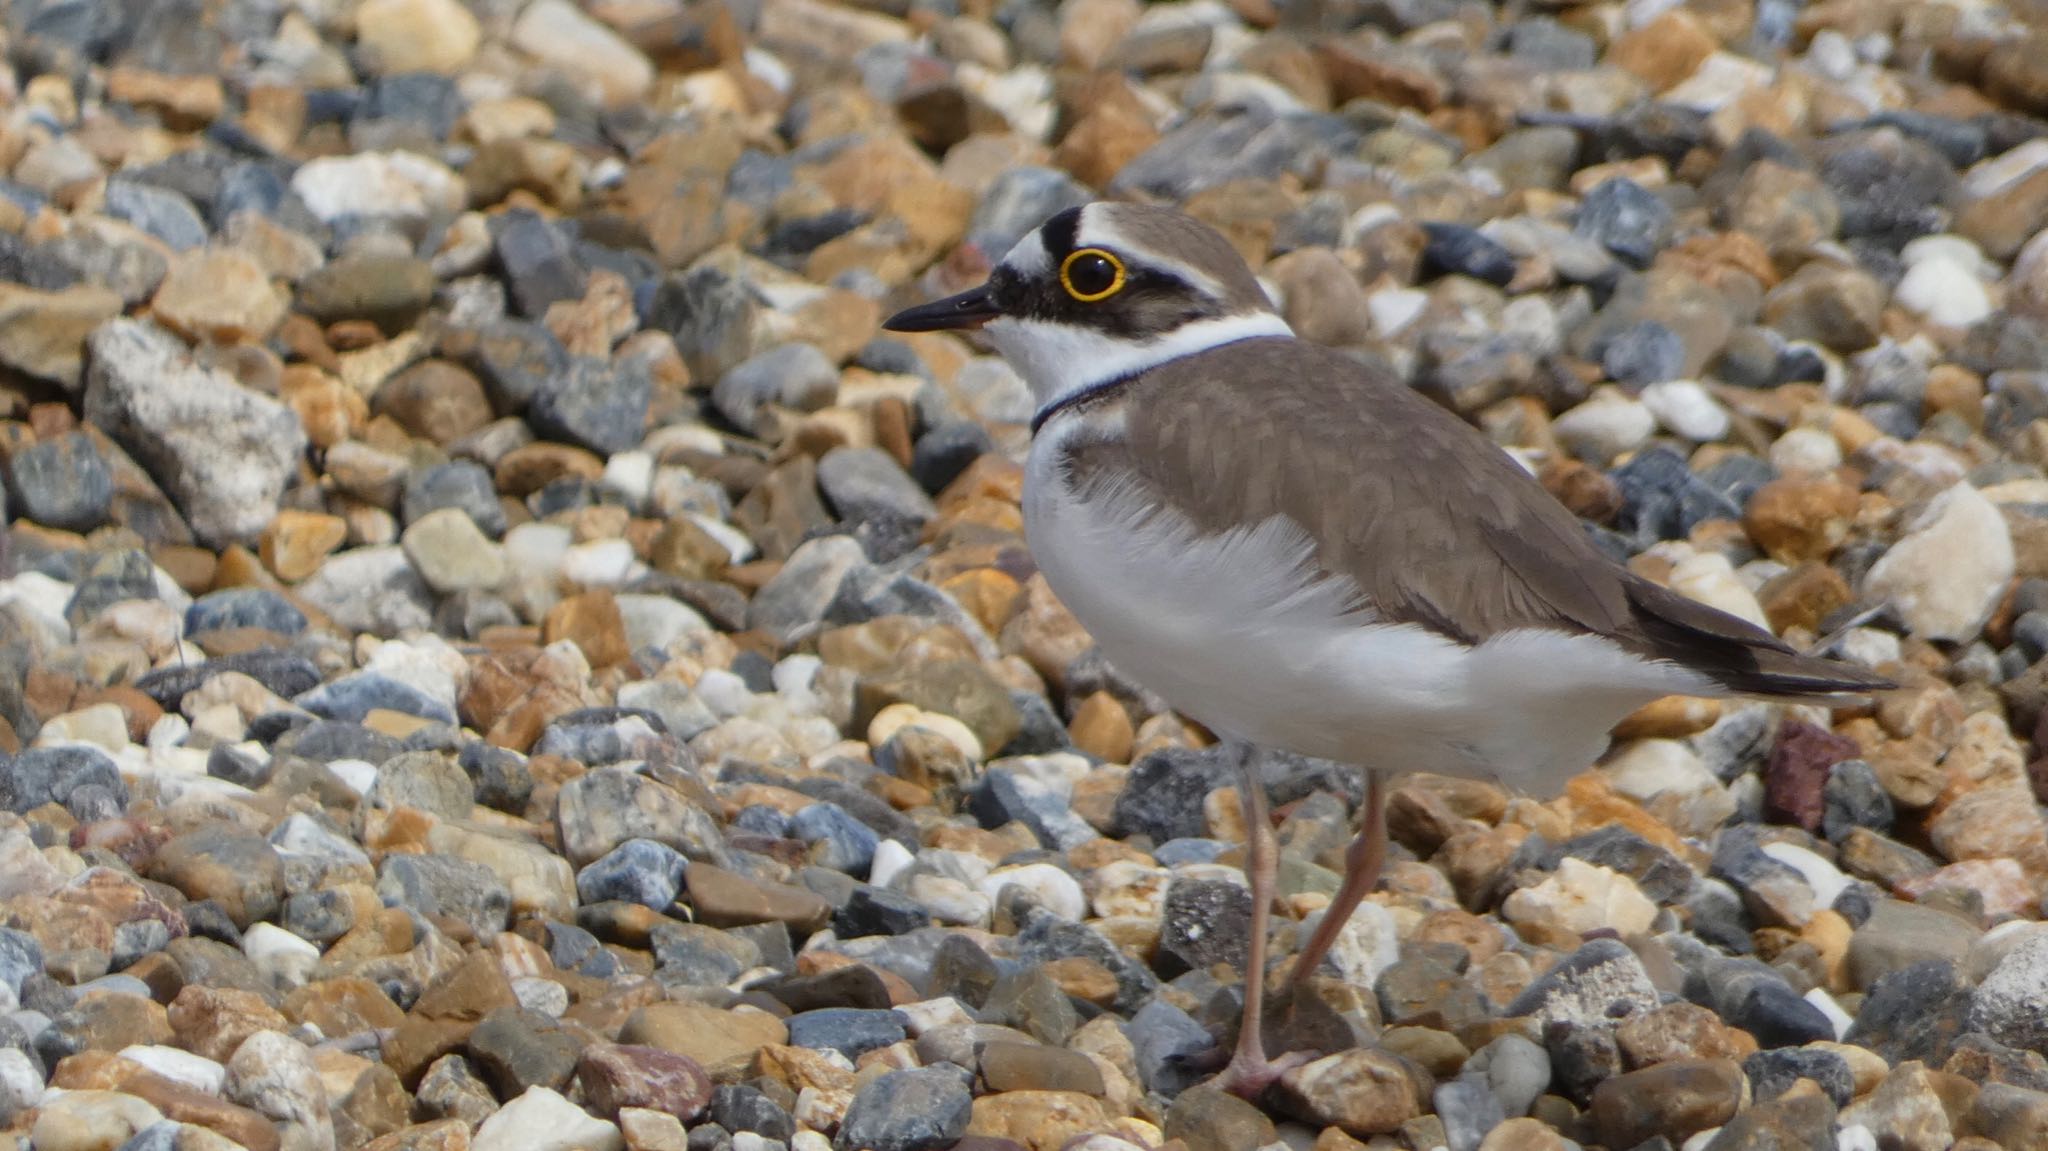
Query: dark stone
{"points": [[945, 451], [1625, 218], [539, 263], [920, 1109], [636, 871], [61, 483], [963, 971], [1163, 796], [1046, 937], [1916, 1012], [1169, 1048], [1772, 1073], [353, 697], [1456, 250], [239, 607], [445, 885], [514, 358], [1890, 185], [1006, 796], [1031, 1002], [282, 673], [878, 911], [517, 1049], [594, 404], [463, 484], [1661, 875], [1206, 922], [738, 1107], [40, 775], [855, 985], [1854, 797], [206, 919], [851, 1031], [1645, 352], [326, 740], [1662, 499]]}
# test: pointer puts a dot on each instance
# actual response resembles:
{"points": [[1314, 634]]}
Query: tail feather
{"points": [[1740, 656]]}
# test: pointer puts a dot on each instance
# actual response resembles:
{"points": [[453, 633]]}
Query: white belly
{"points": [[1235, 631]]}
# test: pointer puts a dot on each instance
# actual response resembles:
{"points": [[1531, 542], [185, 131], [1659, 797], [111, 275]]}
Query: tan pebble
{"points": [[1102, 728]]}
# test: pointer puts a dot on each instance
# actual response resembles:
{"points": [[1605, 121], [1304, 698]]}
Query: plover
{"points": [[1301, 552]]}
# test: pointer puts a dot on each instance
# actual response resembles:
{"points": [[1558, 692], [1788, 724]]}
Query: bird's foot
{"points": [[1248, 1074]]}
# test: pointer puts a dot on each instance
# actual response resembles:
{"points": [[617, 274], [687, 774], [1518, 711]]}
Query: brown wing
{"points": [[1435, 524]]}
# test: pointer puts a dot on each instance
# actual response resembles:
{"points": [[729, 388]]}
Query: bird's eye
{"points": [[1092, 274]]}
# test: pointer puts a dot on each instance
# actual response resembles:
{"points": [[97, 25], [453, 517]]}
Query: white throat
{"points": [[1059, 361]]}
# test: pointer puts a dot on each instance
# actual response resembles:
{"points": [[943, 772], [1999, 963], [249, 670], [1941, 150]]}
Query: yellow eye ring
{"points": [[1090, 272]]}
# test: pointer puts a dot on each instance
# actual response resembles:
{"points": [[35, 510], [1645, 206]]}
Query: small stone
{"points": [[2011, 1004], [1625, 218], [1832, 305], [400, 36], [1674, 1099], [42, 334], [1582, 897], [223, 452], [563, 38], [864, 484], [517, 1049], [1946, 572], [218, 294], [615, 1078], [920, 1109], [1365, 1092], [1210, 1120], [275, 1076], [541, 1120]]}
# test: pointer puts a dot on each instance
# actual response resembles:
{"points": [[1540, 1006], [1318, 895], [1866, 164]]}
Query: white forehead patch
{"points": [[1028, 258]]}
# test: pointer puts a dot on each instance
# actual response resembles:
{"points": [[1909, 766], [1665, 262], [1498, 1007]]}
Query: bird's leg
{"points": [[1250, 1072], [1362, 862]]}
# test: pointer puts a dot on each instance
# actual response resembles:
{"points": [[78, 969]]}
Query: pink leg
{"points": [[1362, 862], [1250, 1072]]}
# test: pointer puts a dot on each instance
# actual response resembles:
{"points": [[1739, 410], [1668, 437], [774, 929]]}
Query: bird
{"points": [[1302, 552]]}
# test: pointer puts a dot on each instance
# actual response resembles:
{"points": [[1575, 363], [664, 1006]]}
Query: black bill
{"points": [[969, 309]]}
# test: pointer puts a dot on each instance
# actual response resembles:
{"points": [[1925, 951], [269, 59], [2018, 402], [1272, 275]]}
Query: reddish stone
{"points": [[1797, 772], [621, 1075]]}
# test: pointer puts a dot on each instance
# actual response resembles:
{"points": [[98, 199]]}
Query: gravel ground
{"points": [[498, 650]]}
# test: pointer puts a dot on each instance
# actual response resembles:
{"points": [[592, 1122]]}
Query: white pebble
{"points": [[543, 995], [536, 550], [195, 1071], [1839, 1019], [1806, 451], [1685, 408], [927, 1014], [1644, 769], [1942, 292], [1393, 309], [541, 1120], [1827, 881], [21, 1082], [1946, 574], [630, 474], [277, 953], [1605, 426], [726, 694], [736, 542], [1059, 892], [601, 563], [358, 774], [891, 858]]}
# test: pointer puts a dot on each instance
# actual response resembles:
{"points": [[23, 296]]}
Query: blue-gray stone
{"points": [[249, 187], [1017, 202], [41, 775], [1468, 1109], [693, 955], [61, 483], [1772, 1073], [1662, 498], [837, 840], [424, 98], [794, 375], [851, 1031], [874, 910], [20, 957], [1854, 797], [1168, 1046], [461, 484], [1217, 147], [539, 263], [945, 451], [1456, 250], [1005, 796], [514, 358], [571, 948], [866, 484], [711, 315], [445, 885], [1163, 796], [738, 1107], [636, 871], [594, 404], [1625, 218], [916, 1109], [760, 819], [1645, 352], [239, 607], [162, 213], [353, 697]]}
